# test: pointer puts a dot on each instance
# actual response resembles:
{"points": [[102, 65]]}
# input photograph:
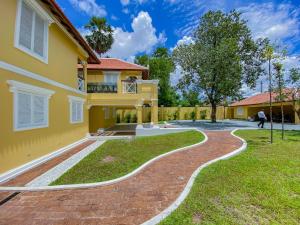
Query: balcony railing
{"points": [[129, 87], [102, 87]]}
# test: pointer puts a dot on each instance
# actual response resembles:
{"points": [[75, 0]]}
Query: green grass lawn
{"points": [[259, 186], [116, 158]]}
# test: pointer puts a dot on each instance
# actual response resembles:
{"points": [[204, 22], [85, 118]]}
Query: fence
{"points": [[173, 113]]}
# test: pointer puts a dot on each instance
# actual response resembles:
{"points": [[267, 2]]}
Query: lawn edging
{"points": [[109, 182], [161, 216]]}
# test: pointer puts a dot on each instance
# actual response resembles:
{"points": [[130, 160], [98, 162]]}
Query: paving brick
{"points": [[131, 201]]}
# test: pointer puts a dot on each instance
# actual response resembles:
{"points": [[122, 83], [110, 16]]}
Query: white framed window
{"points": [[111, 77], [31, 32], [240, 111], [76, 109], [31, 106]]}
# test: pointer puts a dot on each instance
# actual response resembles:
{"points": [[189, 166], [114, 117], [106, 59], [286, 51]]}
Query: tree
{"points": [[269, 55], [222, 57], [101, 37], [294, 91], [281, 96], [161, 66]]}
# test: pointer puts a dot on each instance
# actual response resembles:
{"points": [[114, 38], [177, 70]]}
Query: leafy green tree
{"points": [[190, 98], [294, 91], [161, 66], [222, 57], [101, 37]]}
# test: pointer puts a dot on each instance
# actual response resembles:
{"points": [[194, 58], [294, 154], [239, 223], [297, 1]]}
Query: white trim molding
{"points": [[76, 100], [38, 10], [34, 163], [147, 82], [38, 77], [165, 213], [19, 88]]}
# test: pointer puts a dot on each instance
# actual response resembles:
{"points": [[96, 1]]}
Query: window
{"points": [[30, 105], [76, 109], [111, 77], [32, 29], [240, 111]]}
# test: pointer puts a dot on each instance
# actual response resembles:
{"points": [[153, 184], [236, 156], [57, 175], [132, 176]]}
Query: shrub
{"points": [[170, 116], [203, 115], [193, 115], [133, 118], [175, 115], [127, 118], [186, 116]]}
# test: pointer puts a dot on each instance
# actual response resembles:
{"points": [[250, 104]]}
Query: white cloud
{"points": [[176, 75], [83, 31], [142, 38], [89, 7], [277, 22], [125, 10], [125, 2]]}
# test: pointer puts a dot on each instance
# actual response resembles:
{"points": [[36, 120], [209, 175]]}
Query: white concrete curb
{"points": [[104, 183], [58, 170], [161, 216], [34, 163]]}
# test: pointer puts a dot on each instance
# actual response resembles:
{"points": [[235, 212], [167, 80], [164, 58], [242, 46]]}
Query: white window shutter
{"points": [[78, 111], [74, 108], [26, 23], [24, 110], [39, 110], [39, 35]]}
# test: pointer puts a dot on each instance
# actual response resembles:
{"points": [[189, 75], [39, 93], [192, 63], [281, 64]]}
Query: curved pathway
{"points": [[131, 201]]}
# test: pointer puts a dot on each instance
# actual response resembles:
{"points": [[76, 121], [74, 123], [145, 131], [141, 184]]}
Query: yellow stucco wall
{"points": [[97, 119], [63, 53], [252, 110], [19, 147]]}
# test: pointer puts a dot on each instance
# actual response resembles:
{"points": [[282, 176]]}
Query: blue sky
{"points": [[141, 25]]}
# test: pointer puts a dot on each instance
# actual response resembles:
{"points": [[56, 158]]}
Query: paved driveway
{"points": [[229, 125]]}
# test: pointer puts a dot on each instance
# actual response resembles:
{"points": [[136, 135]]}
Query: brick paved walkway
{"points": [[29, 175], [131, 201]]}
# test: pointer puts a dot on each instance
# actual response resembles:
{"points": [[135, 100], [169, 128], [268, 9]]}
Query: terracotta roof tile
{"points": [[115, 64], [258, 99]]}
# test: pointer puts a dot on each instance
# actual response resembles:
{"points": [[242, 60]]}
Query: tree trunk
{"points": [[270, 90], [282, 121], [213, 113]]}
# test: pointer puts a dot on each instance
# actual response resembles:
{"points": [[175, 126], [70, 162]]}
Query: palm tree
{"points": [[101, 37]]}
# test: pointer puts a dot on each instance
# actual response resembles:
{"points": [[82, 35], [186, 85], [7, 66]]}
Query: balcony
{"points": [[124, 93], [102, 87], [129, 87]]}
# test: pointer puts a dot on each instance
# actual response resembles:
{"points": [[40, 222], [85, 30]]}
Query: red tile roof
{"points": [[115, 64], [259, 99], [59, 14]]}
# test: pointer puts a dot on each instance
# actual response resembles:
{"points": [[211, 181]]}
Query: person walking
{"points": [[262, 117]]}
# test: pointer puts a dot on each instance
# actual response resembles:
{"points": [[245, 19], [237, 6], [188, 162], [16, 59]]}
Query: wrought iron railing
{"points": [[80, 84], [129, 87], [102, 87]]}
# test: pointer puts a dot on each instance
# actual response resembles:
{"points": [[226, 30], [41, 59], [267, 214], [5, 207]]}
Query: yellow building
{"points": [[44, 103], [115, 84], [47, 105], [248, 108]]}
